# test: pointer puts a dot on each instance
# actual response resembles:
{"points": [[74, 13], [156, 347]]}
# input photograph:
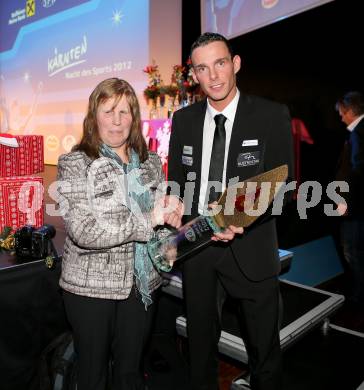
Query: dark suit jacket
{"points": [[256, 251], [351, 170]]}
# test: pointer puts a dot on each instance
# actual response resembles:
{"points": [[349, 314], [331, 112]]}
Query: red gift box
{"points": [[21, 201], [27, 159]]}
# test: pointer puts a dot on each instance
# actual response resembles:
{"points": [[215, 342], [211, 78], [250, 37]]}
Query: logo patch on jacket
{"points": [[187, 160], [248, 159]]}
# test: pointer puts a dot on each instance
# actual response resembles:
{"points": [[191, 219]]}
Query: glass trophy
{"points": [[239, 207], [187, 239]]}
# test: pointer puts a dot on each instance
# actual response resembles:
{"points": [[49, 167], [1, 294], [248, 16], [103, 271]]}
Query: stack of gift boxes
{"points": [[21, 191]]}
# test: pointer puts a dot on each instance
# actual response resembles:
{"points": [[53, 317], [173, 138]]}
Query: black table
{"points": [[32, 315]]}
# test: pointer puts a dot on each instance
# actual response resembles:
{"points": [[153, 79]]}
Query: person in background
{"points": [[351, 169], [112, 201], [245, 136]]}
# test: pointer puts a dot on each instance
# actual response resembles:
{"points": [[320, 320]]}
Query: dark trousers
{"points": [[207, 279], [352, 238], [104, 330]]}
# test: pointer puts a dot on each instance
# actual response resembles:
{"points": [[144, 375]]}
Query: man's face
{"points": [[215, 70], [346, 115]]}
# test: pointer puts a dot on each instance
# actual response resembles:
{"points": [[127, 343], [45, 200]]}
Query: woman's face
{"points": [[114, 122]]}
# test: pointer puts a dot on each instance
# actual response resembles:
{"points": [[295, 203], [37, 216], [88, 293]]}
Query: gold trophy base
{"points": [[240, 202]]}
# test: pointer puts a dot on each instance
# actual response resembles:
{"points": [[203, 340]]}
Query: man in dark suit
{"points": [[351, 170], [257, 138]]}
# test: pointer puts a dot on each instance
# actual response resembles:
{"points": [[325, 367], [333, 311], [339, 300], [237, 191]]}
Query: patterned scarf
{"points": [[139, 202]]}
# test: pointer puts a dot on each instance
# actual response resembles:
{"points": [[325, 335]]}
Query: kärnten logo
{"points": [[64, 60]]}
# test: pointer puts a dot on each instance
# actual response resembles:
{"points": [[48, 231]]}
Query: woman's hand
{"points": [[171, 255], [174, 211], [168, 210], [342, 209]]}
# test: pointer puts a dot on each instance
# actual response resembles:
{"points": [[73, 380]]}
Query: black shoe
{"points": [[158, 363]]}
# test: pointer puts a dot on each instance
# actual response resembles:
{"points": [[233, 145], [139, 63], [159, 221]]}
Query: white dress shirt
{"points": [[354, 123], [207, 141]]}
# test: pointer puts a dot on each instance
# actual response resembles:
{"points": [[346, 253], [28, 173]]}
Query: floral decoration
{"points": [[182, 84], [155, 82], [191, 86], [182, 81]]}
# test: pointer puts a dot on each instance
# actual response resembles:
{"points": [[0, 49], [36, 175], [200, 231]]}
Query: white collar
{"points": [[229, 111], [354, 123]]}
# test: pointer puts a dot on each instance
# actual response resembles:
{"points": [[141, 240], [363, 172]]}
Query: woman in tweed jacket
{"points": [[112, 199]]}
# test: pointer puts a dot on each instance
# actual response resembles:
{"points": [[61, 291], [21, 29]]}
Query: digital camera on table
{"points": [[34, 244]]}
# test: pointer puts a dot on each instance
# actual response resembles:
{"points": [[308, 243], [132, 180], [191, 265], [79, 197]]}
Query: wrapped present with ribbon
{"points": [[21, 155], [8, 140]]}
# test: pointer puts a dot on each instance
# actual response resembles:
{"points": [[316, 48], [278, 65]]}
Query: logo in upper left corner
{"points": [[48, 3], [30, 8]]}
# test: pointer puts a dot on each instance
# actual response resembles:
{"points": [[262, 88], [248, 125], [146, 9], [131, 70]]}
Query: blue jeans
{"points": [[352, 239]]}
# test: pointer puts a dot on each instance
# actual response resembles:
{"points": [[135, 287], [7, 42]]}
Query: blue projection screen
{"points": [[236, 17], [52, 55]]}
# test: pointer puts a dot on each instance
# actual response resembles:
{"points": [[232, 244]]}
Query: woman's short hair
{"points": [[112, 88]]}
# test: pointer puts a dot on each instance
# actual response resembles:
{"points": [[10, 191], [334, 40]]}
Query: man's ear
{"points": [[236, 63], [194, 75], [350, 113]]}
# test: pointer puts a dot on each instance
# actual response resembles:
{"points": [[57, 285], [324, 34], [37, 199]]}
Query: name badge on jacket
{"points": [[250, 142], [187, 160], [248, 159], [187, 150]]}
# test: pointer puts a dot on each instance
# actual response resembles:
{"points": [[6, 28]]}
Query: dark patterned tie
{"points": [[217, 157]]}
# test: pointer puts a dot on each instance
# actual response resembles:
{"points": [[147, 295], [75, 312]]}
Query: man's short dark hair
{"points": [[353, 100], [209, 37]]}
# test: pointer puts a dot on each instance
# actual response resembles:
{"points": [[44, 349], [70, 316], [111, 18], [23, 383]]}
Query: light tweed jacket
{"points": [[98, 257]]}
